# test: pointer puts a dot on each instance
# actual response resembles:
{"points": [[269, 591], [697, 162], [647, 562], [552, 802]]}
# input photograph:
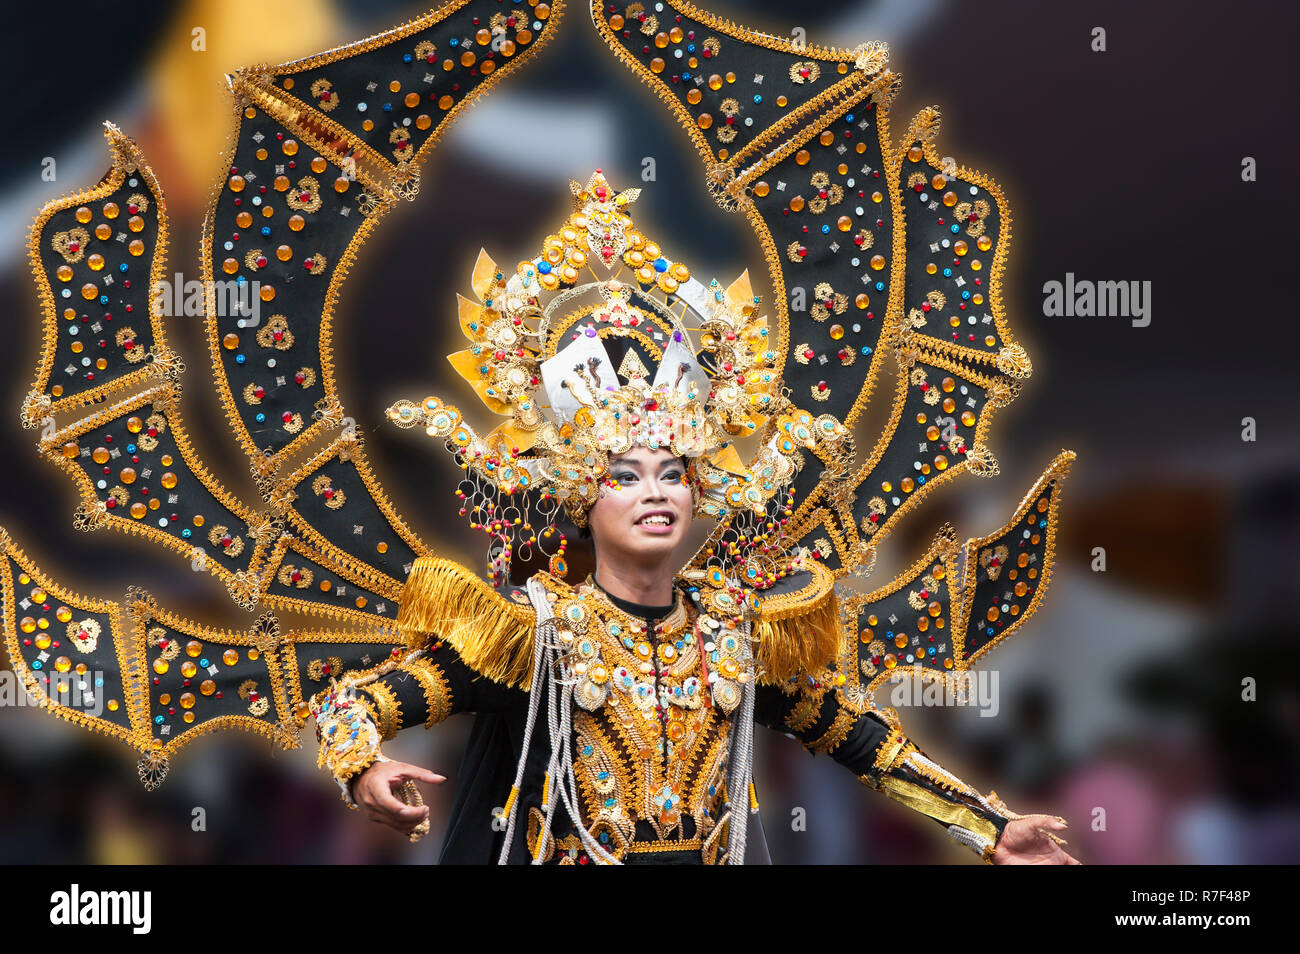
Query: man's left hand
{"points": [[1025, 842]]}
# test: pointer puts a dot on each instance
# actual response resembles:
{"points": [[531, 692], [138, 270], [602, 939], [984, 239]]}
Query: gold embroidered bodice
{"points": [[652, 714]]}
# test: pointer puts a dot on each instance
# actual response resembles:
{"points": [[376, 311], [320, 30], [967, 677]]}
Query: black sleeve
{"points": [[872, 745], [423, 687]]}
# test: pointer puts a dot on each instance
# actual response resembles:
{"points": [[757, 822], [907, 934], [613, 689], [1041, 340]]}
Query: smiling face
{"points": [[645, 517]]}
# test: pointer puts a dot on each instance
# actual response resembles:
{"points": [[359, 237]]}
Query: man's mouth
{"points": [[657, 519]]}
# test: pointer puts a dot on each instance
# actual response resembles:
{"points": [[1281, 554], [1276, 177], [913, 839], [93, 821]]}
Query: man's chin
{"points": [[652, 545]]}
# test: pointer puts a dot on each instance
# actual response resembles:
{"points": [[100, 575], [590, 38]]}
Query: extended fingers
{"points": [[417, 774]]}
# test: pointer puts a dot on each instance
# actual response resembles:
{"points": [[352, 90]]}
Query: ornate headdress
{"points": [[885, 262], [589, 349]]}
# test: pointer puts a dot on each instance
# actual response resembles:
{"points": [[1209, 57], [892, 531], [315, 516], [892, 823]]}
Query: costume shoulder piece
{"points": [[795, 619], [490, 627]]}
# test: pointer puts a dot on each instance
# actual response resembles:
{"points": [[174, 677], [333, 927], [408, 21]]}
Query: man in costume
{"points": [[614, 716], [645, 683]]}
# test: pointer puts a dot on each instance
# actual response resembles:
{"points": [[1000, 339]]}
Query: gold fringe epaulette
{"points": [[798, 631], [494, 637]]}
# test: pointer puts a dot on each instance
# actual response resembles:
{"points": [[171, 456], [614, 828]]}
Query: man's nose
{"points": [[654, 489]]}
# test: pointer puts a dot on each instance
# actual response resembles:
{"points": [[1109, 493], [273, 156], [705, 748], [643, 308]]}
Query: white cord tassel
{"points": [[740, 767], [547, 656], [540, 603], [972, 840]]}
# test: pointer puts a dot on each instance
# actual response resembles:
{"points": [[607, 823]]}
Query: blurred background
{"points": [[1124, 693]]}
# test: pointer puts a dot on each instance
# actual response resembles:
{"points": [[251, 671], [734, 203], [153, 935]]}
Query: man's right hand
{"points": [[376, 791]]}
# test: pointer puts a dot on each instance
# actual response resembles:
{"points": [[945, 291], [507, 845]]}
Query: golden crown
{"points": [[584, 381]]}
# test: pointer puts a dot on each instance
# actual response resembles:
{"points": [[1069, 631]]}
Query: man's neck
{"points": [[646, 586]]}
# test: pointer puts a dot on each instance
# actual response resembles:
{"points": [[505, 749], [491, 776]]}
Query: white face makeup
{"points": [[645, 511]]}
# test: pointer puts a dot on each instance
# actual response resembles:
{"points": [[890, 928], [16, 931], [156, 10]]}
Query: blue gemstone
{"points": [[158, 720], [947, 273], [204, 662], [266, 231], [544, 267], [186, 533], [454, 42], [388, 107], [260, 417], [122, 267], [954, 228], [130, 448], [825, 229], [406, 57], [661, 264], [240, 359]]}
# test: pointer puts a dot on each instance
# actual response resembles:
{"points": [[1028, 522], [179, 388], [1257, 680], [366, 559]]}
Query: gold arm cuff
{"points": [[355, 758], [928, 803]]}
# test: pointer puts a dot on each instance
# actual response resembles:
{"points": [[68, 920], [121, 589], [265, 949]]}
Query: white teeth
{"points": [[658, 521]]}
